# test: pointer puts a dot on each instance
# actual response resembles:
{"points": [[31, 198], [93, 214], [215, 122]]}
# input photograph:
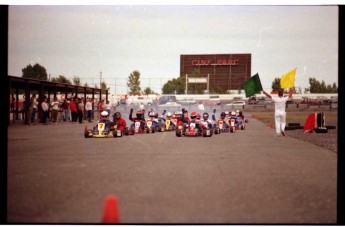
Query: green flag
{"points": [[252, 86]]}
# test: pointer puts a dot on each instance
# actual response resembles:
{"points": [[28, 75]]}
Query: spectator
{"points": [[88, 108], [108, 107], [55, 110], [74, 110], [34, 109], [81, 110], [45, 110], [27, 105], [66, 110], [100, 108]]}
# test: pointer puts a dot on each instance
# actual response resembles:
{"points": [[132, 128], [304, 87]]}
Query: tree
{"points": [[321, 87], [276, 84], [175, 85], [76, 81], [134, 82], [148, 91], [104, 86], [61, 79], [35, 72]]}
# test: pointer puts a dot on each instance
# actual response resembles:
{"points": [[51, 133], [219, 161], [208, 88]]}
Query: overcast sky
{"points": [[83, 41]]}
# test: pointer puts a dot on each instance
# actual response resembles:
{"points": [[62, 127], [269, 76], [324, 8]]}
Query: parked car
{"points": [[215, 99], [167, 98], [137, 100], [236, 104]]}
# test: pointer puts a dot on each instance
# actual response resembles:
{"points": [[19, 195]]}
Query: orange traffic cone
{"points": [[111, 210]]}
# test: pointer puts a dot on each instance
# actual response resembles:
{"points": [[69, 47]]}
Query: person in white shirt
{"points": [[34, 109], [279, 110], [55, 110], [88, 108], [45, 109]]}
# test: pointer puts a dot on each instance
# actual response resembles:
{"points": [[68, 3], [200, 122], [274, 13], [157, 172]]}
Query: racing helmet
{"points": [[118, 115], [156, 115], [237, 112], [151, 114], [233, 113], [222, 115], [168, 114], [104, 114], [205, 116], [193, 115], [198, 116], [226, 112], [139, 114]]}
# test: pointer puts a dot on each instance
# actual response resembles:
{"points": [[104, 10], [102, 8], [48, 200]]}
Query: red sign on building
{"points": [[226, 71]]}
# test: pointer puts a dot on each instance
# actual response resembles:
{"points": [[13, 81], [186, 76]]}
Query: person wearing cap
{"points": [[279, 110], [105, 119], [222, 118]]}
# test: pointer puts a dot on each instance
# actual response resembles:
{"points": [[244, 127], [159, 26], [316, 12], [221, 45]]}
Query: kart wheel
{"points": [[86, 134], [131, 132], [232, 129], [217, 131], [242, 127], [178, 132]]}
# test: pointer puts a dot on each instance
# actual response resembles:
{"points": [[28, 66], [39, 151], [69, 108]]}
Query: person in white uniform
{"points": [[279, 110]]}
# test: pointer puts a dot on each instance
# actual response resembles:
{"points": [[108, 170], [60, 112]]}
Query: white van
{"points": [[137, 100]]}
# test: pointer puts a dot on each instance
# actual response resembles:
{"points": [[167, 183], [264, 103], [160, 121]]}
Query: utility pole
{"points": [[100, 80]]}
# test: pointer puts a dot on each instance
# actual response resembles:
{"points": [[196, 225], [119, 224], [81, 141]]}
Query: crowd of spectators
{"points": [[74, 110]]}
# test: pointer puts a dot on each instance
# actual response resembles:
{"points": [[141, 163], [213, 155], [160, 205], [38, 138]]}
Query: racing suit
{"points": [[137, 119], [121, 124], [206, 122], [108, 124]]}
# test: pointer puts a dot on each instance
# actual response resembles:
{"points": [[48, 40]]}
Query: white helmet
{"points": [[104, 114], [233, 113], [226, 112], [169, 114], [237, 112], [151, 114]]}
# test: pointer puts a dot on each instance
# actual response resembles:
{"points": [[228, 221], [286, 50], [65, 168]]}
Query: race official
{"points": [[279, 110]]}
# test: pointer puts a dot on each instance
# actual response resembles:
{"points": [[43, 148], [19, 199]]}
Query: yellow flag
{"points": [[288, 79]]}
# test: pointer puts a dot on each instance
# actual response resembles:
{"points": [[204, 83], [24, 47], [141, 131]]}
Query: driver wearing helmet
{"points": [[152, 118], [234, 116], [222, 118], [206, 122], [120, 122], [104, 119], [138, 118], [193, 119]]}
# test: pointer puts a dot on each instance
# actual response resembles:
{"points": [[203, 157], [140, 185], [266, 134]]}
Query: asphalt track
{"points": [[55, 175]]}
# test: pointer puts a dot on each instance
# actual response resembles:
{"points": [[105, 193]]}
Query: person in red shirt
{"points": [[74, 110], [120, 122], [100, 108]]}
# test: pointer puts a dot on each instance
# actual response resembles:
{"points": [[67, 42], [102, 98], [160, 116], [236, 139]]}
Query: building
{"points": [[226, 72]]}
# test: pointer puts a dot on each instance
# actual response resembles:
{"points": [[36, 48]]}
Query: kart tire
{"points": [[86, 135], [242, 127], [294, 127], [232, 129], [131, 132], [217, 131], [330, 127], [246, 121], [178, 132]]}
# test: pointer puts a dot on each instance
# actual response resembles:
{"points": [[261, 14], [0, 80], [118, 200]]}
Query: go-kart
{"points": [[100, 131], [241, 123], [220, 127], [149, 127], [170, 124], [136, 128], [191, 130]]}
